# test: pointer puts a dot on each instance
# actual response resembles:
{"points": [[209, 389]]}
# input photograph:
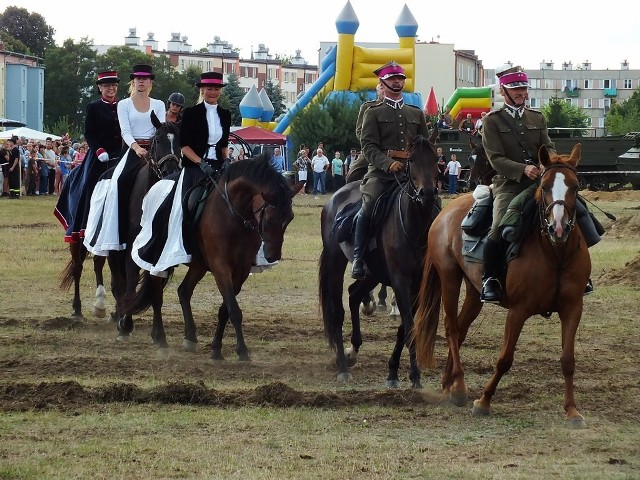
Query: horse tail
{"points": [[67, 276], [327, 305], [427, 316], [143, 297]]}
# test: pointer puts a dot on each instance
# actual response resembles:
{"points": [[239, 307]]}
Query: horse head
{"points": [[558, 192], [481, 171], [423, 170], [165, 148]]}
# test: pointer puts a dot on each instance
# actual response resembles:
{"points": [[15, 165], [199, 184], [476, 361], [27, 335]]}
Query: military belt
{"points": [[403, 154]]}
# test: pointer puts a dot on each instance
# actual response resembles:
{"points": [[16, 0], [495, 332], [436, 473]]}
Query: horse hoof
{"points": [[351, 356], [123, 337], [77, 317], [576, 421], [217, 356], [416, 385], [368, 309], [99, 312], [189, 346], [345, 377], [479, 410], [392, 383], [459, 399], [113, 318], [244, 357]]}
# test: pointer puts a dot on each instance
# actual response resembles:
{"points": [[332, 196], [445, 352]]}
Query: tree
{"points": [[12, 44], [560, 113], [29, 28], [329, 119], [624, 117], [234, 95], [276, 97], [122, 59], [69, 80]]}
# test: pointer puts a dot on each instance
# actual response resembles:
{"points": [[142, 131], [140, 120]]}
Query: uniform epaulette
{"points": [[377, 104], [492, 112], [408, 105], [533, 110]]}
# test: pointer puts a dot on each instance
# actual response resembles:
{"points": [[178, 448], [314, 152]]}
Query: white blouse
{"points": [[137, 125], [215, 129]]}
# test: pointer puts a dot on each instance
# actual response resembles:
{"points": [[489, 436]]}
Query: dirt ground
{"points": [[60, 363]]}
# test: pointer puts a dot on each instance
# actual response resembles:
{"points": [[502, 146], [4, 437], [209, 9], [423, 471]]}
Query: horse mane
{"points": [[418, 143], [259, 171]]}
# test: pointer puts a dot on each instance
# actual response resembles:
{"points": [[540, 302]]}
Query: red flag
{"points": [[431, 107]]}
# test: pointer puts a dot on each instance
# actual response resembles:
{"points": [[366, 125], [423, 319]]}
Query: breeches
{"points": [[371, 189]]}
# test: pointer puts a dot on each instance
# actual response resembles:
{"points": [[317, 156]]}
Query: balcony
{"points": [[610, 92], [571, 92]]}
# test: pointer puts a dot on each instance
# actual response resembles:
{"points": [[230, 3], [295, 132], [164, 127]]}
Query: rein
{"points": [[156, 166]]}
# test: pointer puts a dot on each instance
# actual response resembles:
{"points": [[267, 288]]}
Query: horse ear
{"points": [[576, 153], [154, 120], [434, 135], [543, 155], [296, 188]]}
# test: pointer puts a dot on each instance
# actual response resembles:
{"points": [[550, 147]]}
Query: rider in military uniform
{"points": [[358, 168], [387, 129]]}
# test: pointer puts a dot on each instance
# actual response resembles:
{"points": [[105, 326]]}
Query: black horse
{"points": [[481, 171], [164, 159], [251, 204], [396, 261]]}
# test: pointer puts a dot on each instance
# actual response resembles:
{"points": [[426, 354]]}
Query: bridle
{"points": [[544, 209], [156, 166]]}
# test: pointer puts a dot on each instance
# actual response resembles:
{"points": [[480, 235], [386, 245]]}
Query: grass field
{"points": [[77, 404]]}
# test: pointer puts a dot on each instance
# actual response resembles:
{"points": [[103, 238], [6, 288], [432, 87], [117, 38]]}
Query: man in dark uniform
{"points": [[358, 168], [387, 128], [511, 138], [102, 133]]}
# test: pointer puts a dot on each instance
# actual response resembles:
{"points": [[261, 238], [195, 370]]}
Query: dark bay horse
{"points": [[396, 260], [249, 205], [548, 275], [164, 159]]}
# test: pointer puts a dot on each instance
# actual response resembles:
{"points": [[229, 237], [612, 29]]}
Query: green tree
{"points": [[276, 97], [329, 119], [122, 59], [624, 117], [234, 94], [30, 28], [12, 44], [69, 79], [560, 113]]}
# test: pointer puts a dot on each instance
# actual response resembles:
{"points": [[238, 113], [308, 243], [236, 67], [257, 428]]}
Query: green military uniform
{"points": [[358, 168], [386, 129], [508, 157]]}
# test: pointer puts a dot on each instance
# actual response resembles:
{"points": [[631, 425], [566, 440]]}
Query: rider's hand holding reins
{"points": [[531, 171], [396, 166]]}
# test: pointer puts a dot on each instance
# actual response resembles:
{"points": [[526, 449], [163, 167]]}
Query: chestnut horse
{"points": [[396, 260], [548, 275]]}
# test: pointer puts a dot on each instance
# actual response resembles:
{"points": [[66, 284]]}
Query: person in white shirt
{"points": [[453, 169], [319, 163], [111, 195]]}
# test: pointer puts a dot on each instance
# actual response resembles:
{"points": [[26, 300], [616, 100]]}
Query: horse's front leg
{"points": [[404, 304], [158, 334], [124, 322], [76, 264], [512, 329], [570, 319], [99, 306], [216, 344], [185, 292], [359, 291]]}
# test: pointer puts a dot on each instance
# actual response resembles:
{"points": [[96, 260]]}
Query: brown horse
{"points": [[549, 275], [251, 204]]}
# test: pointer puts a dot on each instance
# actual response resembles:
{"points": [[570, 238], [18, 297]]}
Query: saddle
{"points": [[344, 223]]}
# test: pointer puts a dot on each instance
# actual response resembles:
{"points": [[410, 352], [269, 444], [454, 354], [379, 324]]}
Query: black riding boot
{"points": [[359, 244], [491, 288]]}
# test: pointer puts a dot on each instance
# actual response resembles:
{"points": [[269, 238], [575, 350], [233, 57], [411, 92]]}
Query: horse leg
{"points": [[570, 319], [382, 298], [124, 322], [185, 292], [158, 334], [368, 304], [357, 291], [393, 381], [404, 304], [453, 379], [216, 344], [99, 306], [76, 263], [513, 328]]}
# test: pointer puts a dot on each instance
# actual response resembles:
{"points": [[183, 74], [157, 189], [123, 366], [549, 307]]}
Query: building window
{"points": [[604, 102], [607, 83], [586, 103], [549, 84], [534, 103], [626, 84], [586, 83]]}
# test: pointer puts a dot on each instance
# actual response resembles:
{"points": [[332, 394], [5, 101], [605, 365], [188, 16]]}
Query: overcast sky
{"points": [[525, 33]]}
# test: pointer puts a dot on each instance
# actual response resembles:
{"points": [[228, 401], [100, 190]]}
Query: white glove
{"points": [[103, 157]]}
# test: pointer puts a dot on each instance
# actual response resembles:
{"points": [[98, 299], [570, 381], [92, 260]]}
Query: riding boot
{"points": [[491, 288], [588, 290], [359, 244]]}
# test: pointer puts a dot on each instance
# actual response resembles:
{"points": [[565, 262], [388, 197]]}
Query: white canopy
{"points": [[28, 133]]}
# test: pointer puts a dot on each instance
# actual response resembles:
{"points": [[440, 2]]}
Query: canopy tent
{"points": [[258, 135], [28, 133], [7, 122]]}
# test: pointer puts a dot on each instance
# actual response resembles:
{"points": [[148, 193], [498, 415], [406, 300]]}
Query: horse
{"points": [[548, 275], [481, 171], [72, 274], [249, 205], [400, 242], [163, 160]]}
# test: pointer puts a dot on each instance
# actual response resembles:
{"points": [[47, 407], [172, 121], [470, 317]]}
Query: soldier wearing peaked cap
{"points": [[386, 128]]}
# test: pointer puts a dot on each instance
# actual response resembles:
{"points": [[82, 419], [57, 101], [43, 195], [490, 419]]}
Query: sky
{"points": [[523, 33]]}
